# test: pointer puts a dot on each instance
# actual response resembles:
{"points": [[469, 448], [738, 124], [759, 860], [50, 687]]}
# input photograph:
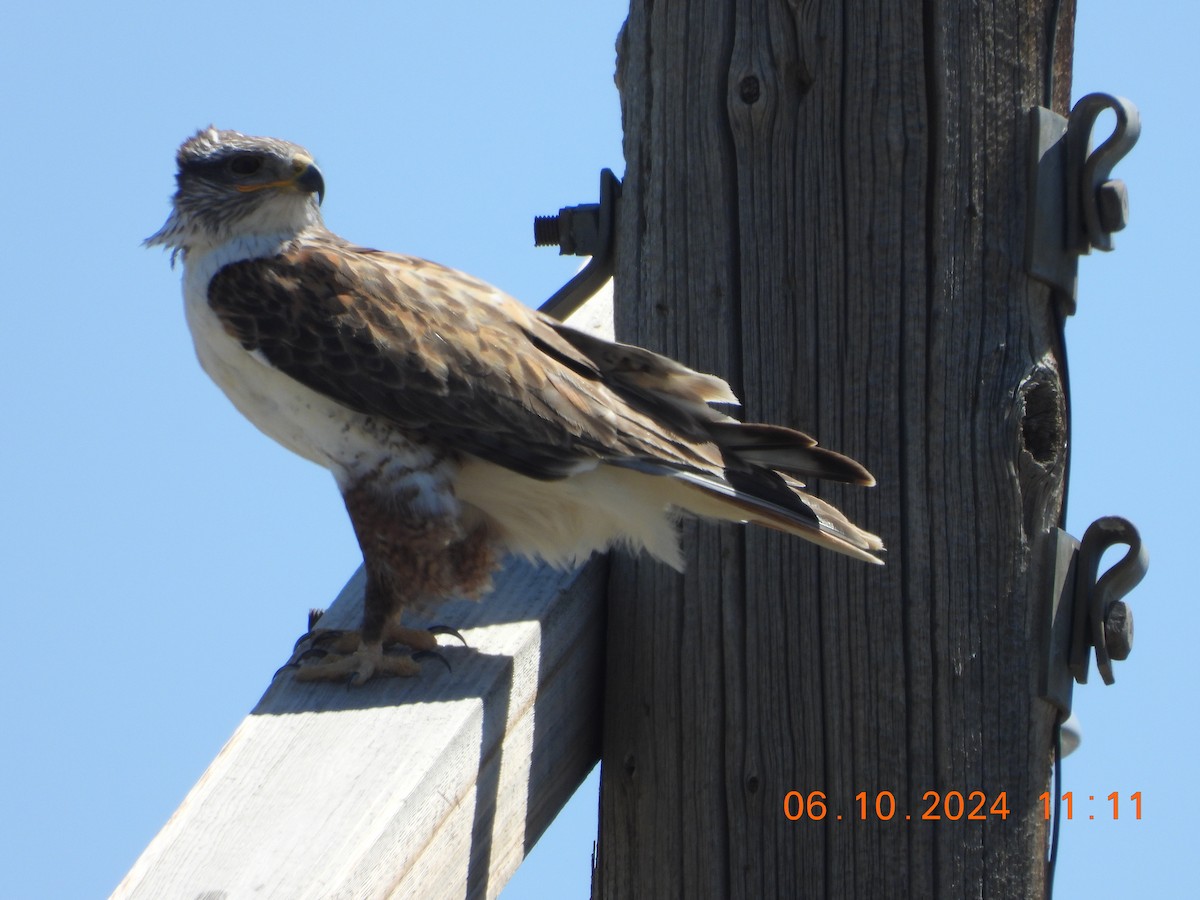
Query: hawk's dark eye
{"points": [[245, 164]]}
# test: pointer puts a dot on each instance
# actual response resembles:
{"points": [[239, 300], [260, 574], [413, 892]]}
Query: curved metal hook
{"points": [[1102, 620], [1102, 205]]}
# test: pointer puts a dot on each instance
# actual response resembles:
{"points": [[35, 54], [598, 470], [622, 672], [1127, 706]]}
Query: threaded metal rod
{"points": [[546, 232]]}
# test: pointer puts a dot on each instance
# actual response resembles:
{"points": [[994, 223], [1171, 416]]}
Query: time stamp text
{"points": [[957, 806]]}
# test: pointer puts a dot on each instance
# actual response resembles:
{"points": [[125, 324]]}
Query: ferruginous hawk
{"points": [[459, 424]]}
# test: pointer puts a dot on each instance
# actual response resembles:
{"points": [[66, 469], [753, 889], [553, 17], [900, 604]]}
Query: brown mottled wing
{"points": [[449, 358]]}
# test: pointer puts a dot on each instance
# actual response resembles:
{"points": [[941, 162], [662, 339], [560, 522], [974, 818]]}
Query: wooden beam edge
{"points": [[435, 786]]}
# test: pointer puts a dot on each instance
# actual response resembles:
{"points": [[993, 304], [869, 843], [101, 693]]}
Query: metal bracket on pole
{"points": [[585, 230], [1087, 612], [1075, 205]]}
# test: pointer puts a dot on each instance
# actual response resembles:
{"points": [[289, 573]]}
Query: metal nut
{"points": [[1118, 630], [1112, 205]]}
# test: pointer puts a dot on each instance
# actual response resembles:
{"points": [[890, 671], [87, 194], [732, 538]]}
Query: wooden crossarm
{"points": [[435, 786]]}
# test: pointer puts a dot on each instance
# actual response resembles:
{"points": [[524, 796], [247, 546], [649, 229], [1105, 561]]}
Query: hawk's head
{"points": [[231, 184]]}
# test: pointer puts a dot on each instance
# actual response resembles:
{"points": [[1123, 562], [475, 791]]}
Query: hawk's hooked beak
{"points": [[306, 177]]}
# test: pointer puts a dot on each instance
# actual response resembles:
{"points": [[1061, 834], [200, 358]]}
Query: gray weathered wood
{"points": [[428, 787], [826, 203]]}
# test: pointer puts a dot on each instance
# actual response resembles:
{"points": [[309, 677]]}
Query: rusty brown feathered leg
{"points": [[409, 560]]}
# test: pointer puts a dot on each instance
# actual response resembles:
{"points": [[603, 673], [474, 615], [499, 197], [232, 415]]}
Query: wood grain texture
{"points": [[825, 203], [429, 787]]}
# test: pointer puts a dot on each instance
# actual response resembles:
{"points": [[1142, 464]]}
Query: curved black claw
{"points": [[298, 658], [446, 629], [319, 638], [431, 654]]}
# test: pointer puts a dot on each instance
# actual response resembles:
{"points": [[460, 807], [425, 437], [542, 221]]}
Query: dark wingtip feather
{"points": [[767, 498], [785, 450]]}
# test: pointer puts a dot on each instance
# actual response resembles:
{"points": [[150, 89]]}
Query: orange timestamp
{"points": [[953, 806], [973, 806], [1068, 807]]}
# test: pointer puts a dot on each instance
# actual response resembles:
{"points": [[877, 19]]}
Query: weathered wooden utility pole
{"points": [[827, 203]]}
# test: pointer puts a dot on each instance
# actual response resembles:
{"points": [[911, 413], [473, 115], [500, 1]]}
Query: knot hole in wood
{"points": [[1043, 417]]}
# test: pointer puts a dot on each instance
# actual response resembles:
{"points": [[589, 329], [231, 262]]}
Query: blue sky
{"points": [[157, 554]]}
